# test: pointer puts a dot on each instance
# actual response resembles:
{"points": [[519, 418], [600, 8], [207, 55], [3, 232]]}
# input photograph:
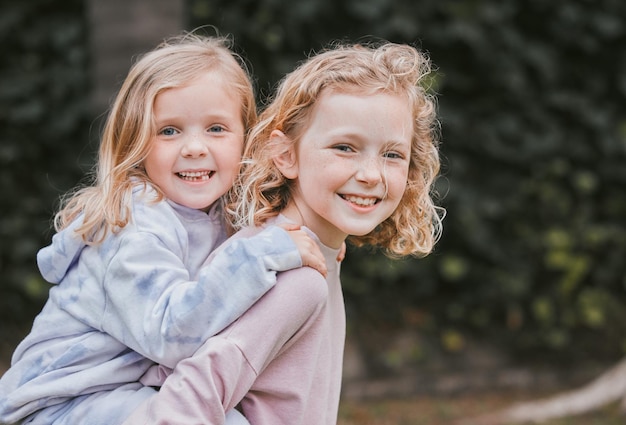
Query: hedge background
{"points": [[533, 112]]}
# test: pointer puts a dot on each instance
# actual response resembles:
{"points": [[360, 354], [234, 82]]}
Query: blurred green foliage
{"points": [[531, 99], [43, 96]]}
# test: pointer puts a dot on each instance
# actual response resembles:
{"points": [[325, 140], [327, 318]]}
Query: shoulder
{"points": [[151, 221], [151, 215], [306, 284]]}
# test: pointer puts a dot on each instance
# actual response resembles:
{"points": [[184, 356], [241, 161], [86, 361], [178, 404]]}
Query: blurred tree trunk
{"points": [[607, 388], [120, 30]]}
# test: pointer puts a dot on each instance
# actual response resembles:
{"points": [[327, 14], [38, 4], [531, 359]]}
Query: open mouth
{"points": [[195, 176], [360, 201]]}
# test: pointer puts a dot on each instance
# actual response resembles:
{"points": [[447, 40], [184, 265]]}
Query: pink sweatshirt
{"points": [[280, 362]]}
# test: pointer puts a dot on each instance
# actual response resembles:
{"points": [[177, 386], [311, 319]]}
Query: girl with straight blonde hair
{"points": [[132, 291]]}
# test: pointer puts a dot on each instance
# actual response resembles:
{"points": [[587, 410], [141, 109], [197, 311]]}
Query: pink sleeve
{"points": [[218, 376]]}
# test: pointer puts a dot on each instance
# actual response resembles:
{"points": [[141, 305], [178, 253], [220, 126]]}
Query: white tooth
{"points": [[192, 175], [361, 201]]}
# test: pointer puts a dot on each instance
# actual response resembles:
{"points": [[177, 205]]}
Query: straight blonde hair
{"points": [[105, 204]]}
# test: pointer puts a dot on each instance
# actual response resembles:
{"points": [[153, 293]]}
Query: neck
{"points": [[327, 234]]}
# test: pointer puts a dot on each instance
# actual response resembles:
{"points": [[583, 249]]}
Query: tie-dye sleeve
{"points": [[157, 310]]}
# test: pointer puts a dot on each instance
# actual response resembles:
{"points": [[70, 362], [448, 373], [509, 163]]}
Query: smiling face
{"points": [[195, 153], [350, 166]]}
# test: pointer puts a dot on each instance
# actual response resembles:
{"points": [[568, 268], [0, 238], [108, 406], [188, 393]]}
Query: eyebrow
{"points": [[213, 116], [397, 145]]}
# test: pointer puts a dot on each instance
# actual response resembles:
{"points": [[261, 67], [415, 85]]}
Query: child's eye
{"points": [[216, 129], [168, 131], [344, 148], [393, 155]]}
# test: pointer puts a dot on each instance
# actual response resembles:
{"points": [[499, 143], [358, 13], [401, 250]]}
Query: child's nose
{"points": [[194, 147], [370, 170]]}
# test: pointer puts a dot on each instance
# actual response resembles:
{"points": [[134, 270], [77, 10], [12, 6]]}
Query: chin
{"points": [[359, 232]]}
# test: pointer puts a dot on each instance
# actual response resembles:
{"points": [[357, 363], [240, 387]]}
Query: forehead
{"points": [[205, 87], [383, 112], [208, 76]]}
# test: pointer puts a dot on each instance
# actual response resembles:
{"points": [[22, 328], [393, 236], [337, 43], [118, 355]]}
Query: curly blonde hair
{"points": [[262, 191], [125, 141]]}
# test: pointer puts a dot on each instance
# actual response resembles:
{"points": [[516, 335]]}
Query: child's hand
{"points": [[309, 249], [342, 253]]}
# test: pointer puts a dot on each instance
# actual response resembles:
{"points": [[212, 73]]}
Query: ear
{"points": [[285, 157]]}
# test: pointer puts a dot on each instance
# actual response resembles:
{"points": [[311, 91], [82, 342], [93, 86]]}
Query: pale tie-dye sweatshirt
{"points": [[144, 296]]}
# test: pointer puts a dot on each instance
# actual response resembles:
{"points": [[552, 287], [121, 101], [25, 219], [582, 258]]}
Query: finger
{"points": [[318, 264], [342, 253], [322, 269]]}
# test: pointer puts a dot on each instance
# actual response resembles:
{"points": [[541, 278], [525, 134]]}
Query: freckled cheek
{"points": [[334, 176], [230, 159], [397, 183]]}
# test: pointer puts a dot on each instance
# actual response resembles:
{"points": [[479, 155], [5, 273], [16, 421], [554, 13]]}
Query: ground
{"points": [[424, 410]]}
